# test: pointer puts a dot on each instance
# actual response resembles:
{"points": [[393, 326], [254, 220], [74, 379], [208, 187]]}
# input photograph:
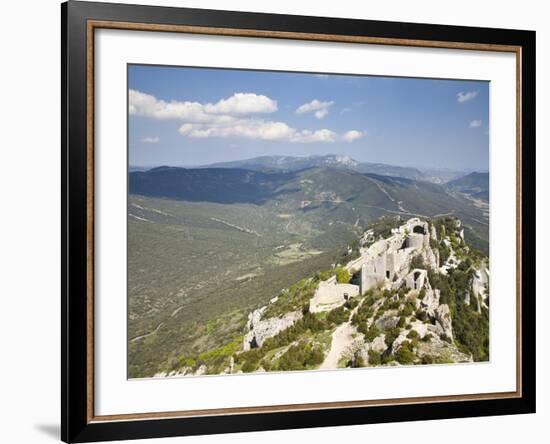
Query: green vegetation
{"points": [[338, 315], [470, 328], [196, 269], [342, 275], [297, 295], [391, 335], [374, 358], [382, 227], [300, 357], [405, 354], [302, 332]]}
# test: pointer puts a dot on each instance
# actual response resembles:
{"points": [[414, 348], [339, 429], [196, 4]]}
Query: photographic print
{"points": [[287, 221]]}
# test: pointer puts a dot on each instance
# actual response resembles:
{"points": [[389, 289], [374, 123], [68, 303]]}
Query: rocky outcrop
{"points": [[443, 317], [261, 329], [441, 351], [378, 344], [430, 302], [389, 320]]}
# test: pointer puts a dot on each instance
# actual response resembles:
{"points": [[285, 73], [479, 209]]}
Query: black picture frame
{"points": [[76, 423]]}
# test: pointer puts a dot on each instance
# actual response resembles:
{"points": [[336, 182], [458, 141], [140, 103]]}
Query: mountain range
{"points": [[295, 163], [474, 184], [318, 194]]}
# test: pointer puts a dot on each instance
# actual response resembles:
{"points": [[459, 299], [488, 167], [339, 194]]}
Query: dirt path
{"points": [[341, 339]]}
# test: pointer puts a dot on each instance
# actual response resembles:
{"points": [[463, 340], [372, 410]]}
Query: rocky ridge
{"points": [[418, 289]]}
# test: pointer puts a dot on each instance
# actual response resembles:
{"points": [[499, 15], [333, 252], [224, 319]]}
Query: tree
{"points": [[342, 275], [374, 358], [404, 354]]}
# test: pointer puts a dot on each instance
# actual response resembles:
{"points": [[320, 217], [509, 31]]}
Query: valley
{"points": [[208, 246]]}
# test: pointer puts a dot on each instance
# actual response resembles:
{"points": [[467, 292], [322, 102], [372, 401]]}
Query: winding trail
{"points": [[342, 338], [138, 338]]}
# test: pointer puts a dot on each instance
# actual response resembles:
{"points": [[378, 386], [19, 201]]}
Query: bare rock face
{"points": [[431, 257], [442, 350], [443, 316], [378, 344], [388, 320], [259, 330], [201, 370], [399, 340], [430, 302], [433, 233], [420, 327]]}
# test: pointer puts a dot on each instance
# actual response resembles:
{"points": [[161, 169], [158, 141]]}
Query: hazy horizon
{"points": [[419, 167]]}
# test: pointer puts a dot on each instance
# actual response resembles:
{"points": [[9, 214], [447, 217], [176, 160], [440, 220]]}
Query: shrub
{"points": [[374, 358], [405, 355], [421, 314], [409, 309], [402, 321], [417, 262], [427, 337], [342, 275], [428, 359], [249, 366], [351, 303], [300, 357], [413, 334], [324, 275], [391, 335], [394, 305], [357, 361], [338, 315], [372, 333]]}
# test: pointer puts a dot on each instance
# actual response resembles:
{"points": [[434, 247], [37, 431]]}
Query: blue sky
{"points": [[195, 116]]}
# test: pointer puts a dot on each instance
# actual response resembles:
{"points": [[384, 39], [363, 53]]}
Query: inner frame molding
{"points": [[92, 25]]}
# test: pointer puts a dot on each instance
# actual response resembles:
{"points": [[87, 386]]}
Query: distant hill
{"points": [[222, 185], [474, 184], [317, 195], [291, 163]]}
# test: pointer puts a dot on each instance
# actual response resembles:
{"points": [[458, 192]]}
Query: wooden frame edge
{"points": [[97, 24]]}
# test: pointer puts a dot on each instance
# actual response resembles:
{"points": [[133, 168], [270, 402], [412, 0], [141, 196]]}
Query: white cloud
{"points": [[319, 108], [150, 140], [234, 117], [142, 104], [475, 124], [462, 97], [322, 76], [350, 136], [258, 129], [243, 103]]}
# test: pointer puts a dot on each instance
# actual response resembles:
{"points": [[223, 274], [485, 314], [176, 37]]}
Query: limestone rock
{"points": [[378, 344], [420, 327], [442, 351], [443, 316], [259, 330], [430, 302], [201, 370], [388, 320]]}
